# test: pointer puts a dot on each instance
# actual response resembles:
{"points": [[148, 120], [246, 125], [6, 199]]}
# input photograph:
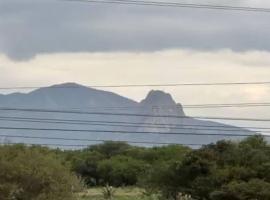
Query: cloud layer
{"points": [[31, 27]]}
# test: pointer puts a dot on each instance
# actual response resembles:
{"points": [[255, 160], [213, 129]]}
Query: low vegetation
{"points": [[34, 173], [117, 171]]}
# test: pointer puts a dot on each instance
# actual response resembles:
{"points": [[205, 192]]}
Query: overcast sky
{"points": [[31, 27], [52, 41]]}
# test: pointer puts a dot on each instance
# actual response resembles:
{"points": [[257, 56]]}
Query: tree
{"points": [[86, 165], [120, 170], [218, 171], [255, 189], [34, 173], [110, 149]]}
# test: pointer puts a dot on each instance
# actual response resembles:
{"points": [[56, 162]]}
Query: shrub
{"points": [[34, 173]]}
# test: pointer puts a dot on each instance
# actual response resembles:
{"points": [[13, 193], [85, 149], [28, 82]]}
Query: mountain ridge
{"points": [[71, 95]]}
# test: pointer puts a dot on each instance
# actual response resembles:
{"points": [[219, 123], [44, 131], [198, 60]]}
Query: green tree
{"points": [[110, 149], [217, 171], [34, 173], [85, 164], [255, 189], [120, 170]]}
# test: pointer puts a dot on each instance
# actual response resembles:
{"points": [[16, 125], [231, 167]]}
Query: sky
{"points": [[44, 42]]}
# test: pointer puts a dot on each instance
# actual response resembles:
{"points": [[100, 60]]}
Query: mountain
{"points": [[94, 111], [68, 95]]}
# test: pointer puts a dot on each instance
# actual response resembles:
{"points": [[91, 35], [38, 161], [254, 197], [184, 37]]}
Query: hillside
{"points": [[150, 115]]}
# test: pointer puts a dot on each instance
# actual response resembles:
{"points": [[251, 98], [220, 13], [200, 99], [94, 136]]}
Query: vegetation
{"points": [[123, 193], [222, 171], [34, 173], [108, 192], [226, 170]]}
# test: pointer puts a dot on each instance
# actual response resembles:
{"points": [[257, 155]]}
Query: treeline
{"points": [[119, 164], [223, 171]]}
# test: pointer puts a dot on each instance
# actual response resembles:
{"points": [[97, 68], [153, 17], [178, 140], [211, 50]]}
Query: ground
{"points": [[127, 193]]}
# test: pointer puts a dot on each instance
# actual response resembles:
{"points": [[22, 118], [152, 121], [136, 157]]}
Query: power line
{"points": [[94, 131], [87, 145], [43, 144], [233, 105], [231, 129], [186, 106], [91, 140], [124, 123], [129, 114], [142, 85], [176, 5], [216, 105]]}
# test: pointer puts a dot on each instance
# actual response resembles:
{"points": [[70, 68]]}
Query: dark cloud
{"points": [[30, 27]]}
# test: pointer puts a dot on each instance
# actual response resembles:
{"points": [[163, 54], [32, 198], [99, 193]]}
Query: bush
{"points": [[34, 173], [120, 171], [253, 189], [221, 171]]}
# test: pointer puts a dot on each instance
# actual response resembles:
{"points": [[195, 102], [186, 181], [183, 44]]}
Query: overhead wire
{"points": [[101, 123], [93, 140], [117, 123], [180, 106], [130, 114], [176, 5], [140, 85], [163, 107], [94, 131]]}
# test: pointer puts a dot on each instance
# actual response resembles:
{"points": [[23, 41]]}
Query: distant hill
{"points": [[145, 117]]}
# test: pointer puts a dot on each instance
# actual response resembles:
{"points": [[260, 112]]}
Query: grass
{"points": [[127, 193]]}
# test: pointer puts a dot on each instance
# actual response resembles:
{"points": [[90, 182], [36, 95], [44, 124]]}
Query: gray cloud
{"points": [[30, 27]]}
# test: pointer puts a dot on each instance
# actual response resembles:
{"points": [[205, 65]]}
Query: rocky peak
{"points": [[158, 98], [161, 102]]}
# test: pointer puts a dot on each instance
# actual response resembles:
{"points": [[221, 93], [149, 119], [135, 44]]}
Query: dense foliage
{"points": [[34, 173], [222, 171], [119, 164]]}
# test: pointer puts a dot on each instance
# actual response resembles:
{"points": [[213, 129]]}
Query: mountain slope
{"points": [[65, 95], [70, 96]]}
